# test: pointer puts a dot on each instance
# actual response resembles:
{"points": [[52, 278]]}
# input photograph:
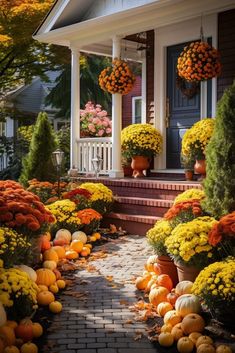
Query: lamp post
{"points": [[96, 164], [57, 159]]}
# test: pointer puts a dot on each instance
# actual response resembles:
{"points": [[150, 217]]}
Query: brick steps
{"points": [[142, 205], [133, 224], [140, 202]]}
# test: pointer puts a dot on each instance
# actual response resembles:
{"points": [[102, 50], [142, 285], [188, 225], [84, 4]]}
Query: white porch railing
{"points": [[91, 147], [4, 160]]}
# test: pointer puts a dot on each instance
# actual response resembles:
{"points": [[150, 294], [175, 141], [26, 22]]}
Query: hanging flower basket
{"points": [[117, 78], [199, 61]]}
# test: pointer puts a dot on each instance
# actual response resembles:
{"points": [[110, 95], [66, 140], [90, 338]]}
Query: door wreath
{"points": [[188, 89]]}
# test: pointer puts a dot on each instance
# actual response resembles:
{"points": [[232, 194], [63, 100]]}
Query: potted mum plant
{"points": [[140, 142], [189, 247], [187, 163], [194, 143]]}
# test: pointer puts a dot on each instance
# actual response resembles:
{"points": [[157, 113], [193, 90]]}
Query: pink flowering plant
{"points": [[95, 121]]}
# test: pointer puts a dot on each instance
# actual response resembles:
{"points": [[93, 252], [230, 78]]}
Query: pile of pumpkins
{"points": [[180, 310], [17, 337], [66, 246]]}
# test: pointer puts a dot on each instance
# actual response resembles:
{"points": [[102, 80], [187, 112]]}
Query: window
{"points": [[136, 110]]}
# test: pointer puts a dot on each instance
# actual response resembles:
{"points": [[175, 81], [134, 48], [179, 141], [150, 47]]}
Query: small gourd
{"points": [[223, 348], [165, 281], [60, 251], [158, 295], [150, 263], [25, 330], [76, 245], [37, 330], [177, 333], [165, 339], [71, 255], [49, 264], [163, 308], [50, 255], [61, 283], [204, 340], [11, 349], [205, 348]]}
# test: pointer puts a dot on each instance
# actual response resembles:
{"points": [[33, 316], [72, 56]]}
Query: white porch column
{"points": [[117, 171], [75, 107]]}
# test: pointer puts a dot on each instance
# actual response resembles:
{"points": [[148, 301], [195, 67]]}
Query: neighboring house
{"points": [[27, 101], [107, 28]]}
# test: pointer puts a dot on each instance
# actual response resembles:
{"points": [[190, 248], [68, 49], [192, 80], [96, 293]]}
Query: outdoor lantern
{"points": [[57, 160], [96, 164]]}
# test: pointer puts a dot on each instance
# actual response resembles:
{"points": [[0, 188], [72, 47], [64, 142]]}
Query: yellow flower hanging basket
{"points": [[117, 78]]}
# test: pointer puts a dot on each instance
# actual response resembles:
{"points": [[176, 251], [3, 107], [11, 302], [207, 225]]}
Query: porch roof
{"points": [[97, 27]]}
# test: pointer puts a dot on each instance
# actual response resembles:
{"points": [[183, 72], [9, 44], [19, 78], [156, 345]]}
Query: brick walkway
{"points": [[98, 323]]}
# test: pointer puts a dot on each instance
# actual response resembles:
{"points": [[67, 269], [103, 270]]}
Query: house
{"points": [[28, 100], [116, 28]]}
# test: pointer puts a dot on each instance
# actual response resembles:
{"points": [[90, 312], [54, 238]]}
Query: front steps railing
{"points": [[90, 148]]}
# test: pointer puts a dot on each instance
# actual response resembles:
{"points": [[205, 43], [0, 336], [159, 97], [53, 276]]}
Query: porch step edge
{"points": [[144, 201], [133, 218]]}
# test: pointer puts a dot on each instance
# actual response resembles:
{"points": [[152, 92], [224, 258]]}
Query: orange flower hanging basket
{"points": [[199, 61], [117, 78]]}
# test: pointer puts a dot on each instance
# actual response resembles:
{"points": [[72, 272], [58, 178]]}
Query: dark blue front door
{"points": [[183, 112]]}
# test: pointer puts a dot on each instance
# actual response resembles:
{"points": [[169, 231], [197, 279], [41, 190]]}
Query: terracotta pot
{"points": [[187, 273], [200, 167], [167, 267], [188, 175], [139, 164]]}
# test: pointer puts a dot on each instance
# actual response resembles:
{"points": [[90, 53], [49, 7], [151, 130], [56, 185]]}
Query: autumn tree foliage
{"points": [[22, 57]]}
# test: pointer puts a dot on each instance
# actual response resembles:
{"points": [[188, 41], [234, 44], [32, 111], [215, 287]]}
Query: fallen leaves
{"points": [[77, 295]]}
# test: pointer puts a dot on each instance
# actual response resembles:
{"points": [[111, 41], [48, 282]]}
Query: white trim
{"points": [[133, 100], [172, 35], [144, 92]]}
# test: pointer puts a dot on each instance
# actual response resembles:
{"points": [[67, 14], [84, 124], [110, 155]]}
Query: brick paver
{"points": [[98, 322]]}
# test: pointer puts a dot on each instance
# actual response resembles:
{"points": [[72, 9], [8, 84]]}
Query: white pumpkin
{"points": [[49, 264], [79, 235], [187, 304], [29, 270], [3, 315], [64, 234], [184, 287]]}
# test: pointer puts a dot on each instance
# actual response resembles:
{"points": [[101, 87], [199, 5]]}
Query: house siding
{"points": [[226, 46], [150, 77], [127, 103]]}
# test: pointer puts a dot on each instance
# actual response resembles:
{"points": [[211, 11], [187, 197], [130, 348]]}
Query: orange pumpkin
{"points": [[85, 251], [141, 282], [166, 328], [150, 262], [29, 347], [45, 276], [223, 348], [37, 330], [97, 235], [158, 295], [192, 323], [50, 255], [71, 255], [194, 336], [165, 281], [165, 339], [45, 243], [25, 330], [205, 348], [8, 335], [55, 307], [163, 308], [42, 287], [45, 298], [171, 317], [203, 340], [76, 245], [185, 345], [172, 297], [177, 333], [60, 251]]}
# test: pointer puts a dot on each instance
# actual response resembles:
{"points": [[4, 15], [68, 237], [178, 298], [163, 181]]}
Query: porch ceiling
{"points": [[96, 34]]}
